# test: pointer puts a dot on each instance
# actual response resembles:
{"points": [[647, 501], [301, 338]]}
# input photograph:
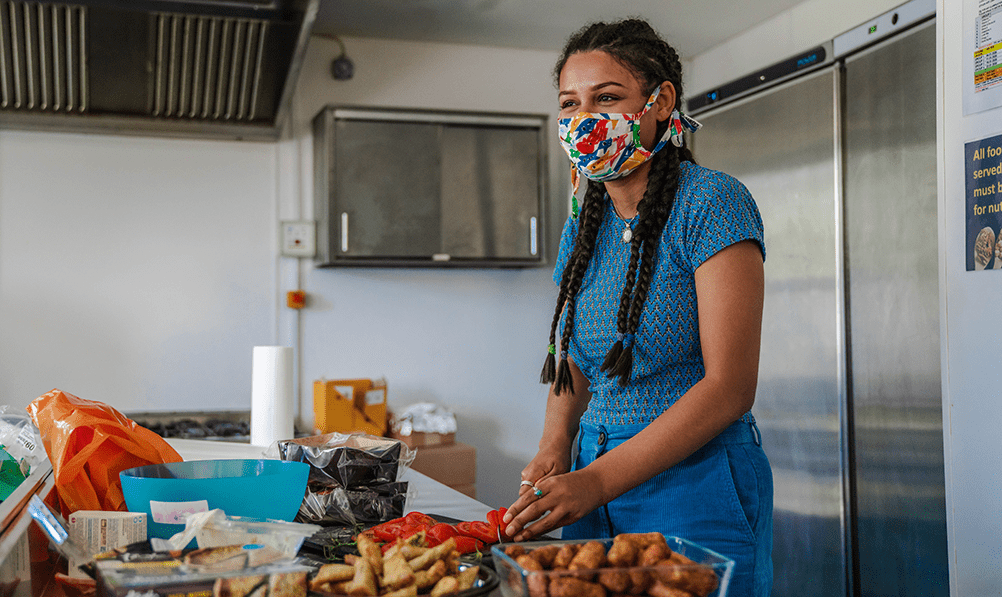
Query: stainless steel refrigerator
{"points": [[842, 162]]}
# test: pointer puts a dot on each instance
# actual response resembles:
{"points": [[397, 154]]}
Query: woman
{"points": [[659, 312]]}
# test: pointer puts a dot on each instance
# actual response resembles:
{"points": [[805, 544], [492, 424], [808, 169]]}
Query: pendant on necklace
{"points": [[627, 234]]}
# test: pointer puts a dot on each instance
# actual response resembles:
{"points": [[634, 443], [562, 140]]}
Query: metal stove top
{"points": [[230, 426]]}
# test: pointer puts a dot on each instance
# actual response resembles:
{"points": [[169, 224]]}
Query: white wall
{"points": [[136, 272], [972, 380]]}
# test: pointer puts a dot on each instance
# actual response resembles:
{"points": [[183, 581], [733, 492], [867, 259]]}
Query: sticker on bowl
{"points": [[176, 512]]}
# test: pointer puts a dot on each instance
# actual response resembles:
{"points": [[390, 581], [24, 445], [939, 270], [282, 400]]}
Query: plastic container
{"points": [[267, 489], [516, 581]]}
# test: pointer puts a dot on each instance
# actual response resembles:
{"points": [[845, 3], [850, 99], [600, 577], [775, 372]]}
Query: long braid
{"points": [[548, 374], [616, 351], [589, 227], [635, 289], [590, 220], [637, 46], [654, 216]]}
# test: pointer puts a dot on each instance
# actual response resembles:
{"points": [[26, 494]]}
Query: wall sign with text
{"points": [[984, 203]]}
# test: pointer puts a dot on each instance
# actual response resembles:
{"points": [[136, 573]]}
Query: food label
{"points": [[176, 512]]}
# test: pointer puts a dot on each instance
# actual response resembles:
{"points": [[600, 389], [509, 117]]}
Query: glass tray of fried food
{"points": [[630, 563], [408, 568]]}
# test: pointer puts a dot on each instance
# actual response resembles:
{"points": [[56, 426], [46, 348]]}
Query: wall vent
{"points": [[43, 58], [208, 67], [189, 68]]}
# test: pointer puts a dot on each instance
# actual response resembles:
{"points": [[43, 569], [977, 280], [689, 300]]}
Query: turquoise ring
{"points": [[537, 491]]}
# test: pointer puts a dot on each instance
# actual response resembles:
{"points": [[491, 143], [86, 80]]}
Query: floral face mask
{"points": [[604, 146]]}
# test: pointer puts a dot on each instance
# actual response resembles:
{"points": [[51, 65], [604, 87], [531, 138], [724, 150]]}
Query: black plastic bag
{"points": [[353, 477]]}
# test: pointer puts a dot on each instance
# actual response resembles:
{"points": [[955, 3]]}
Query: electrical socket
{"points": [[298, 238]]}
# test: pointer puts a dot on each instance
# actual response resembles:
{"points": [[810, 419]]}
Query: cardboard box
{"points": [[469, 489], [350, 405], [418, 439], [454, 464], [98, 531]]}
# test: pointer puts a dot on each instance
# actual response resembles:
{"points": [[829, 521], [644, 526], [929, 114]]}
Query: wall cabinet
{"points": [[428, 188]]}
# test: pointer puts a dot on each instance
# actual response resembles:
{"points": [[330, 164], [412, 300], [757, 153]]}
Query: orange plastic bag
{"points": [[88, 444]]}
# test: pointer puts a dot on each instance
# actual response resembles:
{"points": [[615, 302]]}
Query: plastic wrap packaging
{"points": [[424, 417], [215, 529], [354, 478], [354, 506], [20, 438]]}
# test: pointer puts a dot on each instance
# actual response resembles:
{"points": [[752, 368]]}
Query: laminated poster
{"points": [[982, 55], [984, 203]]}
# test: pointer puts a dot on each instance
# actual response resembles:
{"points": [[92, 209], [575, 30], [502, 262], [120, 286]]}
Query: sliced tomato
{"points": [[496, 520], [439, 532], [495, 517], [388, 531], [478, 529], [419, 519], [468, 544]]}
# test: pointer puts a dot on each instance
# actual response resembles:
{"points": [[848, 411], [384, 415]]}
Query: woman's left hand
{"points": [[564, 499]]}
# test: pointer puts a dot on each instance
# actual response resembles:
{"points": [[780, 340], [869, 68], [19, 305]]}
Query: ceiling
{"points": [[691, 26]]}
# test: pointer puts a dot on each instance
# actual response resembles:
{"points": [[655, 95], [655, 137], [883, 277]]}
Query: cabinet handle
{"points": [[533, 249], [344, 232]]}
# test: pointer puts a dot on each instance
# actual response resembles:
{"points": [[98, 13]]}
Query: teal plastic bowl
{"points": [[167, 493]]}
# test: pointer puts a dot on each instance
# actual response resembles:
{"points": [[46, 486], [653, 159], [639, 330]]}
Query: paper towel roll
{"points": [[271, 395]]}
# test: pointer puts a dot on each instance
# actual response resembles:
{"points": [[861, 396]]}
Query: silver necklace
{"points": [[627, 231]]}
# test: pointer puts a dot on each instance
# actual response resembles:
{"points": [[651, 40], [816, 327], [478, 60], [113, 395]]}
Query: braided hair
{"points": [[635, 44]]}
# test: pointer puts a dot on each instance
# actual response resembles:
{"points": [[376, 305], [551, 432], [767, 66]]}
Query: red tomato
{"points": [[439, 533], [496, 519], [478, 529], [419, 519], [468, 544], [389, 530], [384, 534]]}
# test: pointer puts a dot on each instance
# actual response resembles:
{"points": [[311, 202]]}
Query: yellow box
{"points": [[349, 405], [331, 410], [373, 408]]}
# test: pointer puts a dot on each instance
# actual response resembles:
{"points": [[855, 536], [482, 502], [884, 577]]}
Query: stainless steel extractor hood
{"points": [[196, 68]]}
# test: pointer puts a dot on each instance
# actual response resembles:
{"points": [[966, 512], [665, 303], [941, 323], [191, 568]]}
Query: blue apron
{"points": [[720, 497]]}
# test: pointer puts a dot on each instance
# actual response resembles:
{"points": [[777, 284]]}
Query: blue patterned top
{"points": [[712, 211]]}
